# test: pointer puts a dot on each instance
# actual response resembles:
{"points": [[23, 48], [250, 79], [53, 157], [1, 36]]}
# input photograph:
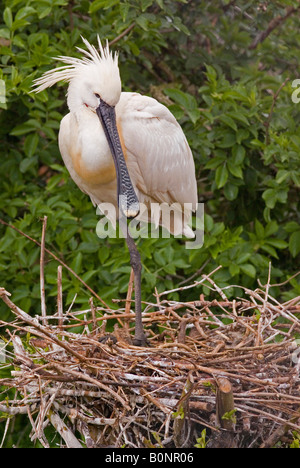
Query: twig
{"points": [[42, 277], [101, 388], [65, 433], [93, 310], [182, 424], [126, 31], [59, 297], [224, 403], [268, 121], [197, 283], [274, 23], [129, 292], [28, 319], [57, 259]]}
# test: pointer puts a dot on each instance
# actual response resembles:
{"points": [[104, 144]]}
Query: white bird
{"points": [[123, 148]]}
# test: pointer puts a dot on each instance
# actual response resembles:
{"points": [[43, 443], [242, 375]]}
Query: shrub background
{"points": [[230, 88], [226, 71]]}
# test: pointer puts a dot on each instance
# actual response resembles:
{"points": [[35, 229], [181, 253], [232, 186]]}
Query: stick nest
{"points": [[217, 374]]}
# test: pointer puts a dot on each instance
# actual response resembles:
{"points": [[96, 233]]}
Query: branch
{"points": [[42, 277], [274, 23], [57, 259], [4, 295], [268, 121], [63, 430], [127, 30]]}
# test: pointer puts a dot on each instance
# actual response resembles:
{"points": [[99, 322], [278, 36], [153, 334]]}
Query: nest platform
{"points": [[216, 373]]}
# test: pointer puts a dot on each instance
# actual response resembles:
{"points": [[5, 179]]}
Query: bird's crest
{"points": [[74, 65]]}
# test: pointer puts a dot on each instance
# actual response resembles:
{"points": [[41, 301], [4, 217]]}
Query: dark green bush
{"points": [[230, 88]]}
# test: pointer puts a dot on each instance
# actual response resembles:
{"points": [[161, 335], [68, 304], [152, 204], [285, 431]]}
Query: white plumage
{"points": [[123, 146], [158, 157]]}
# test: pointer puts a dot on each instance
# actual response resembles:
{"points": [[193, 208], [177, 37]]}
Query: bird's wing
{"points": [[160, 160]]}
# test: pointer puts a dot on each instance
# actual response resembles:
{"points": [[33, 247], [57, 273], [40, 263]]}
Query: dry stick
{"points": [[57, 259], [183, 288], [28, 319], [97, 383], [129, 292], [248, 409], [42, 277], [259, 338], [126, 31], [6, 427], [93, 310], [63, 430], [182, 423], [219, 290], [286, 281], [278, 433], [197, 273], [21, 354], [60, 312], [224, 403], [213, 316], [155, 401], [14, 410]]}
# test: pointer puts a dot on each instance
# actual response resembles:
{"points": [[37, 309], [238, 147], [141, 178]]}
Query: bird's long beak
{"points": [[127, 199]]}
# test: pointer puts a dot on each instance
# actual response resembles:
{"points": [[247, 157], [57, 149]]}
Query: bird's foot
{"points": [[141, 341]]}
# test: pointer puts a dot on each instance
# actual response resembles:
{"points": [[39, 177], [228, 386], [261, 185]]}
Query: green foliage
{"points": [[231, 90], [197, 58], [296, 440], [201, 441], [230, 416]]}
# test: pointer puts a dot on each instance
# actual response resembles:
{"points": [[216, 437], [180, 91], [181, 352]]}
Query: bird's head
{"points": [[95, 84], [92, 78]]}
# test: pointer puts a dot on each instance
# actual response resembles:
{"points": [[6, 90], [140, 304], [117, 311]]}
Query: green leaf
{"points": [[294, 243], [160, 4], [234, 269], [101, 4], [8, 18], [227, 120], [249, 270], [221, 176], [143, 22], [30, 144], [238, 154], [231, 191], [194, 115], [24, 12], [271, 228], [186, 100], [278, 243], [282, 175], [145, 4], [270, 197], [259, 229], [235, 169], [27, 163]]}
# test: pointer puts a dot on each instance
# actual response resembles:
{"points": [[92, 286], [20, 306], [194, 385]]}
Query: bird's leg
{"points": [[135, 261]]}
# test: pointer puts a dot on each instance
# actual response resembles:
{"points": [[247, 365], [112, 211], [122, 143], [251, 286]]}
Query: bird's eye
{"points": [[97, 95]]}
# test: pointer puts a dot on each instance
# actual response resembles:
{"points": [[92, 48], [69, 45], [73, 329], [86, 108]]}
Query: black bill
{"points": [[127, 199]]}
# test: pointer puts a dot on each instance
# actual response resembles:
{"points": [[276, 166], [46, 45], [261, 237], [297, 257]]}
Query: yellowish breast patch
{"points": [[103, 175]]}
